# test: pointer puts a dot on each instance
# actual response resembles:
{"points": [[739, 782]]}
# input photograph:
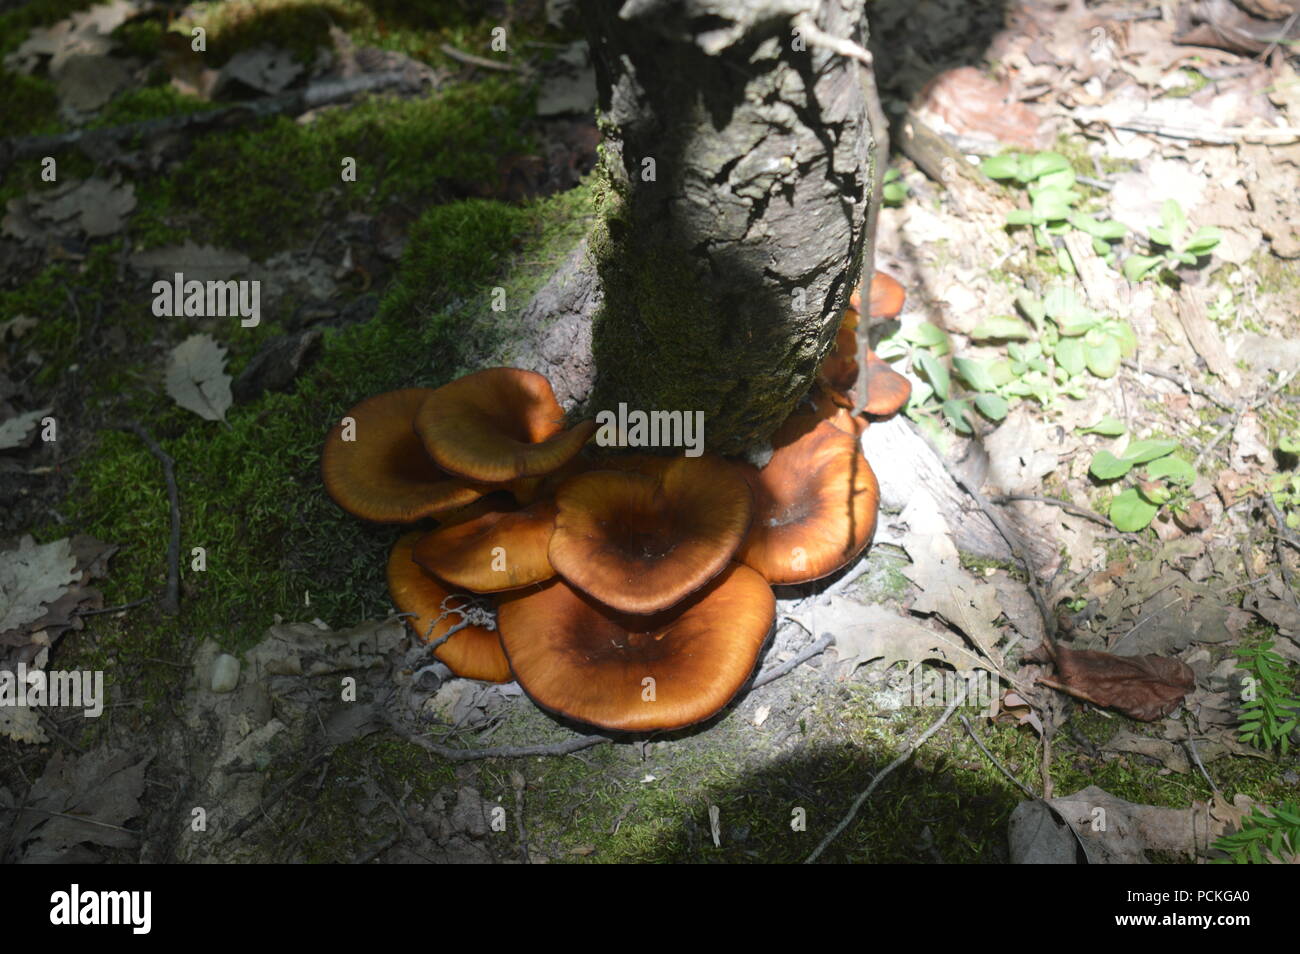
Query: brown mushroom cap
{"points": [[885, 299], [497, 425], [474, 652], [639, 542], [384, 474], [503, 549], [815, 506], [590, 663], [887, 390]]}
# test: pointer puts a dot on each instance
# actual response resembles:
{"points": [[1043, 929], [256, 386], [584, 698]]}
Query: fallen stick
{"points": [[907, 754]]}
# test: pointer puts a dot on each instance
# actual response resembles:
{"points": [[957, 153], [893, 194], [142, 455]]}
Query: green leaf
{"points": [[1043, 163], [1206, 238], [1106, 466], [992, 406], [1130, 513], [1002, 167], [955, 412], [1051, 204], [1160, 236], [1020, 217], [974, 373], [1069, 355], [925, 335], [1172, 468], [1001, 327], [1108, 230], [1172, 217], [1139, 452], [937, 374], [1137, 267], [1032, 307], [1288, 445], [1123, 333], [1103, 357], [1106, 427]]}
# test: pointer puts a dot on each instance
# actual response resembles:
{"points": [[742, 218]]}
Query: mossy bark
{"points": [[738, 163]]}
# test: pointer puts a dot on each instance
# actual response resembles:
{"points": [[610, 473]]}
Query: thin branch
{"points": [[567, 747], [907, 754], [996, 764], [1063, 504], [1183, 382], [171, 601], [807, 653], [469, 59]]}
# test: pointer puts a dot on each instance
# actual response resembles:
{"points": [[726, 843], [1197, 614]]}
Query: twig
{"points": [[996, 764], [568, 746], [1238, 413], [80, 818], [171, 601], [907, 754], [1008, 533], [117, 609], [277, 793], [1183, 382], [1222, 136], [1063, 504], [807, 653], [1283, 536], [471, 60], [1191, 748]]}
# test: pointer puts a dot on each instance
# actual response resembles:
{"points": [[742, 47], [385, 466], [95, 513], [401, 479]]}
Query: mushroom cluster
{"points": [[632, 593]]}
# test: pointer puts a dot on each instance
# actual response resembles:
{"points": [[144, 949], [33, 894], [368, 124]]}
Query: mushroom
{"points": [[474, 651], [815, 504], [640, 542], [885, 299], [502, 549], [636, 673], [381, 472], [498, 425]]}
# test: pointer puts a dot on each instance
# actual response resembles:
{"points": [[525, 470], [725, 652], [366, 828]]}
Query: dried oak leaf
{"points": [[31, 577], [197, 378], [975, 106], [1145, 688]]}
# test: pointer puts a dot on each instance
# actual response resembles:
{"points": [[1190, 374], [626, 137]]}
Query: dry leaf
{"points": [[197, 378], [14, 432], [31, 577], [1142, 687], [867, 632]]}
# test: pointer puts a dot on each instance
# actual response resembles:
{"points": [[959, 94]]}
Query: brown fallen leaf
{"points": [[975, 106], [1145, 688]]}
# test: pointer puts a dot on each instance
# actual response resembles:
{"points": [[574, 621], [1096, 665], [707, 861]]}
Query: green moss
{"points": [[149, 102], [414, 151], [29, 105]]}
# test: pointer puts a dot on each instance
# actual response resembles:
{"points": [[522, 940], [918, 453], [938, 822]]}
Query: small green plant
{"points": [[1267, 835], [1167, 483], [1087, 339], [1180, 248], [1270, 713], [1285, 485], [923, 344], [894, 189], [1050, 182]]}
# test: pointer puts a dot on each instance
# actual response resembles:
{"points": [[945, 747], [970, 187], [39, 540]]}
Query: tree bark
{"points": [[736, 175]]}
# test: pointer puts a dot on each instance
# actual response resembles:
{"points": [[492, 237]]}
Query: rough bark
{"points": [[724, 274]]}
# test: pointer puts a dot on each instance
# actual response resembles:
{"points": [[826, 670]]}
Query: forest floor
{"points": [[1041, 353]]}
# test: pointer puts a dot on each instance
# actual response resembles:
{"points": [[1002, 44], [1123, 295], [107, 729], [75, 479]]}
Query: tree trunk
{"points": [[737, 170]]}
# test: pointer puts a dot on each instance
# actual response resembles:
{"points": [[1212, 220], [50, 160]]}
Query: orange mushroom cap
{"points": [[382, 473], [503, 549], [498, 425], [475, 651], [815, 506], [887, 390], [885, 299], [635, 673], [641, 542]]}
